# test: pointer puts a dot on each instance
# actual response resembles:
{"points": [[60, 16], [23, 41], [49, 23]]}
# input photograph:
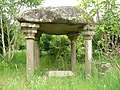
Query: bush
{"points": [[59, 49]]}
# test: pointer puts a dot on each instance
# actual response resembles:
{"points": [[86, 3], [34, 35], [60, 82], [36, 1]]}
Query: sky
{"points": [[62, 3]]}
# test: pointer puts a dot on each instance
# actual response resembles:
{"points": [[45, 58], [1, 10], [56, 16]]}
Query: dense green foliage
{"points": [[10, 36], [106, 42], [59, 49], [107, 16]]}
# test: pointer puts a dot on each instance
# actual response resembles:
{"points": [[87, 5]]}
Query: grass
{"points": [[12, 77], [118, 61]]}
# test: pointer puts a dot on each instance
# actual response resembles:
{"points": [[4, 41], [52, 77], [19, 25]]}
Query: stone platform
{"points": [[60, 73]]}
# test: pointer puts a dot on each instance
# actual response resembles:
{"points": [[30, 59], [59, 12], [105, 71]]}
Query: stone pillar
{"points": [[30, 30], [88, 35], [73, 38], [37, 49]]}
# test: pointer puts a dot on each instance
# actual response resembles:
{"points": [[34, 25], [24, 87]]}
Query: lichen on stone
{"points": [[63, 14]]}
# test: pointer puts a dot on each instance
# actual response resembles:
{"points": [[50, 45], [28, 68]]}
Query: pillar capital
{"points": [[89, 28], [29, 29], [73, 36], [88, 35], [88, 32]]}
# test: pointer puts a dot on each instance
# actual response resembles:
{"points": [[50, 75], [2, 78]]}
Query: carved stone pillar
{"points": [[88, 35], [30, 30], [73, 38], [37, 49]]}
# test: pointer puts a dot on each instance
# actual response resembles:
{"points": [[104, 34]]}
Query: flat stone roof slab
{"points": [[61, 14], [55, 20]]}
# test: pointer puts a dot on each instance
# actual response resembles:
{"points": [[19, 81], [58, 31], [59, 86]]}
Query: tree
{"points": [[8, 24], [107, 16]]}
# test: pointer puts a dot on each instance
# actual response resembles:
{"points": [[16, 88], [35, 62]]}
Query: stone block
{"points": [[60, 73]]}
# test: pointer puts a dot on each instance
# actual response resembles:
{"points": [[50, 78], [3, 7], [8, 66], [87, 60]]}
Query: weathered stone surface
{"points": [[103, 66], [64, 14], [55, 20], [60, 73]]}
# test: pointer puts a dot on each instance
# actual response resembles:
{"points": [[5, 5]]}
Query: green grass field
{"points": [[12, 77]]}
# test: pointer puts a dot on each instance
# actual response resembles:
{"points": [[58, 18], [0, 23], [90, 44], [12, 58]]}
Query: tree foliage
{"points": [[107, 18], [9, 34], [59, 50]]}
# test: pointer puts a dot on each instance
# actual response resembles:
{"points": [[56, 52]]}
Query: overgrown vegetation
{"points": [[107, 16], [10, 35], [55, 50], [13, 77], [59, 50]]}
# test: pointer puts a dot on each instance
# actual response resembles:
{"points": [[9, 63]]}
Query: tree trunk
{"points": [[3, 42]]}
